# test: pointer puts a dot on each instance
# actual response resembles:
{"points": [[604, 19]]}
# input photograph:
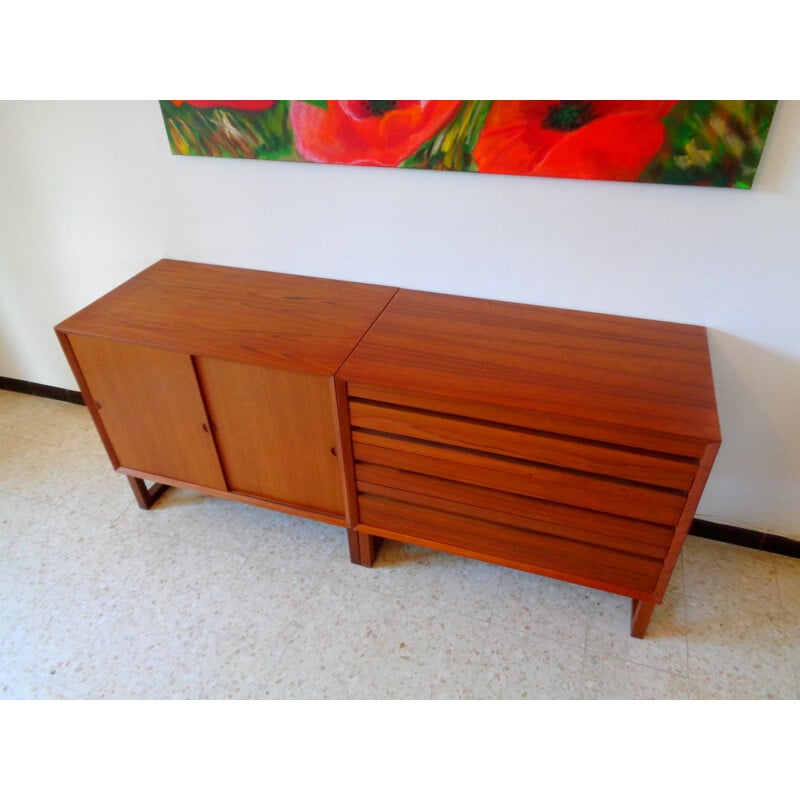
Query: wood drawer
{"points": [[527, 477], [539, 516], [557, 557], [631, 437], [569, 452], [597, 512]]}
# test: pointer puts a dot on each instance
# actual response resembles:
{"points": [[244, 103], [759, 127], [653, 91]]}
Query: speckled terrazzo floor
{"points": [[203, 598]]}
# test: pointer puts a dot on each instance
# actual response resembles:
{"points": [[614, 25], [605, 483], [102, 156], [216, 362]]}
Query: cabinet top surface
{"points": [[280, 320], [599, 367]]}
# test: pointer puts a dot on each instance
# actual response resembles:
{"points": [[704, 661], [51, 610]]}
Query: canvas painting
{"points": [[691, 142]]}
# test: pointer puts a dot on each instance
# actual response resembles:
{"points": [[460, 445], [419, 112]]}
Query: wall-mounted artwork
{"points": [[696, 142]]}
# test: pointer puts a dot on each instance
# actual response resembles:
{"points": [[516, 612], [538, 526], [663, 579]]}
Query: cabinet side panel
{"points": [[151, 409], [682, 528], [276, 433]]}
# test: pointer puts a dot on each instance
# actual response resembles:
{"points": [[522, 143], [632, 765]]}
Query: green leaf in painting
{"points": [[230, 132], [323, 104], [712, 143], [451, 148]]}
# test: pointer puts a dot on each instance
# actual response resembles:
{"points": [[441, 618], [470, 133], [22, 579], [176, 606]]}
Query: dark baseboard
{"points": [[744, 537], [41, 390], [757, 540]]}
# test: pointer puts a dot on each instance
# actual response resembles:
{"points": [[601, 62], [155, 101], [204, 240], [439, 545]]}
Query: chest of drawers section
{"points": [[569, 444]]}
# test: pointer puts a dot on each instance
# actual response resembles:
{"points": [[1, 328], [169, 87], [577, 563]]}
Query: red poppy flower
{"points": [[598, 139], [238, 105], [376, 132]]}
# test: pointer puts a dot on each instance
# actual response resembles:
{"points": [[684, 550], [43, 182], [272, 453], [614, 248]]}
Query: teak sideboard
{"points": [[571, 444]]}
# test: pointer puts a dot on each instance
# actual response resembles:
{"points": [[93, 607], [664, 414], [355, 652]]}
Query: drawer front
{"points": [[542, 447], [592, 474], [530, 479], [632, 438], [564, 558], [531, 514], [487, 485]]}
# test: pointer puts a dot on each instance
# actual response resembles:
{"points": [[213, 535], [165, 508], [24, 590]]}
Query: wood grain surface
{"points": [[151, 409], [651, 375], [274, 319]]}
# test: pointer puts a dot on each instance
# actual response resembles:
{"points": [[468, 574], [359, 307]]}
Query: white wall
{"points": [[89, 194]]}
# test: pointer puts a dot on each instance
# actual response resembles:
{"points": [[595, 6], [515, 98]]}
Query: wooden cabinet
{"points": [[221, 380], [566, 443], [570, 444]]}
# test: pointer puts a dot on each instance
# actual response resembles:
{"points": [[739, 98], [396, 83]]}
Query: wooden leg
{"points": [[363, 547], [641, 611], [146, 497]]}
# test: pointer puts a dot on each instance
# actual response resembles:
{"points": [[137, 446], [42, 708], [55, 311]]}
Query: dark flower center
{"points": [[568, 115], [377, 108]]}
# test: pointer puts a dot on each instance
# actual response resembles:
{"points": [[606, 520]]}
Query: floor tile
{"points": [[304, 543], [61, 424], [20, 593], [150, 563], [611, 678], [737, 576], [544, 606], [32, 689], [787, 573], [14, 408], [262, 612], [447, 582], [52, 542], [71, 478], [736, 653], [199, 520], [517, 665], [56, 642], [139, 668], [664, 644], [358, 644]]}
